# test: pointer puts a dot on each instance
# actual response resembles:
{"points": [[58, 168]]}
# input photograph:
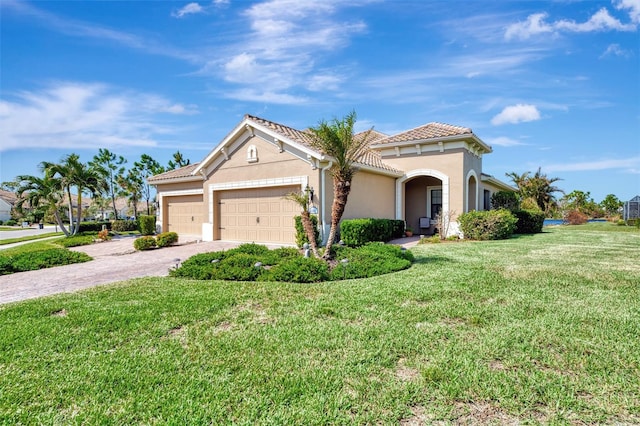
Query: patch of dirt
{"points": [[418, 418], [223, 326], [482, 413], [453, 322], [497, 365], [404, 373], [61, 313], [178, 333]]}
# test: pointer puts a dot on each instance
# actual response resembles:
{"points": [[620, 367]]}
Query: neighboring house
{"points": [[237, 191], [631, 208], [7, 201]]}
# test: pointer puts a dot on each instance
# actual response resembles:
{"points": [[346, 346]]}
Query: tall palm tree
{"points": [[44, 192], [336, 139], [73, 173], [538, 188]]}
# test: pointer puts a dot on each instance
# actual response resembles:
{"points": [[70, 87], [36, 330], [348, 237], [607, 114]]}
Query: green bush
{"points": [[77, 240], [357, 232], [33, 260], [370, 260], [298, 270], [238, 267], [487, 225], [144, 243], [529, 221], [166, 239], [124, 225], [301, 236], [11, 222], [147, 224], [199, 266], [93, 226], [1, 222], [505, 200]]}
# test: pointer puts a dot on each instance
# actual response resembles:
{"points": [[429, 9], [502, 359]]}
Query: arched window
{"points": [[252, 154]]}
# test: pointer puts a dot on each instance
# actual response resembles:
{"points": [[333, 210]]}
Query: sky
{"points": [[549, 84]]}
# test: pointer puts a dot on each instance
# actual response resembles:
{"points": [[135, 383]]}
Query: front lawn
{"points": [[537, 329]]}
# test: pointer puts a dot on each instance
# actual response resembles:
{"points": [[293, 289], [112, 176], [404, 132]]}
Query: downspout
{"points": [[323, 206]]}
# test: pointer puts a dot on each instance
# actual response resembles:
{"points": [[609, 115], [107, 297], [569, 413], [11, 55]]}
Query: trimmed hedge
{"points": [[146, 242], [93, 226], [288, 265], [487, 225], [147, 224], [166, 239], [121, 225], [77, 240], [31, 261], [358, 232], [529, 221], [301, 236], [505, 200]]}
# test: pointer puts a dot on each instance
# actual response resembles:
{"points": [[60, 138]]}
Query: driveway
{"points": [[114, 260]]}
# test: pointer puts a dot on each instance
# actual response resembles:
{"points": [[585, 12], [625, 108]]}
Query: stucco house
{"points": [[236, 192], [7, 201]]}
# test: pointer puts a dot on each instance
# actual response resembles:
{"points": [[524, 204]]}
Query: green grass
{"points": [[30, 238], [535, 329]]}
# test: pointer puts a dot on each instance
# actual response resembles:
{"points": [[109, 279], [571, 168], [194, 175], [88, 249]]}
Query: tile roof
{"points": [[182, 172], [428, 131], [8, 196]]}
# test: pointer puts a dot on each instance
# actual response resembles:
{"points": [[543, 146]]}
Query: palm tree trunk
{"points": [[341, 190], [71, 227], [64, 230], [307, 224], [78, 212]]}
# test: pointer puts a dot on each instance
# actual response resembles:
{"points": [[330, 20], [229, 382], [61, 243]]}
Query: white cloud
{"points": [[189, 9], [633, 6], [600, 21], [516, 114], [79, 115], [615, 50], [504, 141], [630, 165]]}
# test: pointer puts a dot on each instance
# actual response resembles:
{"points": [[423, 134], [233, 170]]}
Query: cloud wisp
{"points": [[514, 114], [628, 165], [188, 9], [80, 115]]}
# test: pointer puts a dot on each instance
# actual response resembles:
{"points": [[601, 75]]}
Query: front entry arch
{"points": [[421, 193]]}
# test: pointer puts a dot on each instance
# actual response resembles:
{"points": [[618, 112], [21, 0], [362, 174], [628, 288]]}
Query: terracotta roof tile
{"points": [[8, 196], [182, 172], [428, 131]]}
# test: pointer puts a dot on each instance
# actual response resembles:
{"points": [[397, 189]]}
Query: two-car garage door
{"points": [[260, 214]]}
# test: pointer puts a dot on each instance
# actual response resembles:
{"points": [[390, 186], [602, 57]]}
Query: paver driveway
{"points": [[114, 260]]}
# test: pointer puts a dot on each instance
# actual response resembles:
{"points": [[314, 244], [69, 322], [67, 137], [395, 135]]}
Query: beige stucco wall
{"points": [[372, 195], [473, 186]]}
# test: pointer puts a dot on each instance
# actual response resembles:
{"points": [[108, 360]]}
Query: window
{"points": [[487, 199], [434, 201]]}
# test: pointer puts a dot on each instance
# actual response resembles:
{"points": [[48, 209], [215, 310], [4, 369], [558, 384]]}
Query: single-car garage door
{"points": [[260, 215], [185, 214]]}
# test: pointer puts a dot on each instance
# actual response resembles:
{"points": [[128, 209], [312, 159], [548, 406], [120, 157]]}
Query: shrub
{"points": [[298, 270], [487, 225], [11, 222], [1, 222], [199, 266], [93, 226], [124, 225], [505, 200], [370, 260], [104, 235], [529, 221], [621, 222], [147, 224], [166, 239], [357, 232], [77, 240], [301, 236], [430, 240], [144, 243], [238, 267], [576, 217], [31, 261]]}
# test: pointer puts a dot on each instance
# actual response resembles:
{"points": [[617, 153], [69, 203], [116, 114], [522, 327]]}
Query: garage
{"points": [[185, 214], [260, 215]]}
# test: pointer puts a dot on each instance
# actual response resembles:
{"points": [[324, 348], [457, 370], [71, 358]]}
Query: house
{"points": [[7, 201], [237, 191], [631, 208]]}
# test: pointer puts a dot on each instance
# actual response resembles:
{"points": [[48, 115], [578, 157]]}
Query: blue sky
{"points": [[552, 84]]}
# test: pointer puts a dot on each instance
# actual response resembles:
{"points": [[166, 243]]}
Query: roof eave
{"points": [[455, 138]]}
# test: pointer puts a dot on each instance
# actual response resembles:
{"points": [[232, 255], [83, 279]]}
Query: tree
{"points": [[41, 192], [131, 185], [145, 168], [537, 190], [336, 139], [112, 167], [74, 174], [302, 199], [178, 161], [611, 205], [10, 186], [581, 202]]}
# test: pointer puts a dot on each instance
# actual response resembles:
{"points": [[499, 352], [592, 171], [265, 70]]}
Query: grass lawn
{"points": [[30, 238], [535, 329]]}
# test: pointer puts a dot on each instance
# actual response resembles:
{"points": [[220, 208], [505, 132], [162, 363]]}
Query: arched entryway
{"points": [[472, 191], [422, 194]]}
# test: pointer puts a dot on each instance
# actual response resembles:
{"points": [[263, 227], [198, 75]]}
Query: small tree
{"points": [[443, 221], [302, 199], [111, 167], [611, 205]]}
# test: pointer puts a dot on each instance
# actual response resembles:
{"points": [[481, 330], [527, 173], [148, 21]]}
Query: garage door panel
{"points": [[262, 215], [185, 214]]}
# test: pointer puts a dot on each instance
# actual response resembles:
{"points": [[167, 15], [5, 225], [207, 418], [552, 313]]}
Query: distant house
{"points": [[7, 201], [631, 208], [237, 191]]}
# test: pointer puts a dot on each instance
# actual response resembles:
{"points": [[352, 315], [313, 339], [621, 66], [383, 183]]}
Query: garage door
{"points": [[260, 215], [185, 214]]}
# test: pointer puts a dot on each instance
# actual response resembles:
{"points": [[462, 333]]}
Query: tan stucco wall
{"points": [[474, 193], [372, 195]]}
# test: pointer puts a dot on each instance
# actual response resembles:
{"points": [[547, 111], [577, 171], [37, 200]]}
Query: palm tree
{"points": [[336, 139], [131, 187], [539, 189], [43, 192], [73, 173], [302, 199]]}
